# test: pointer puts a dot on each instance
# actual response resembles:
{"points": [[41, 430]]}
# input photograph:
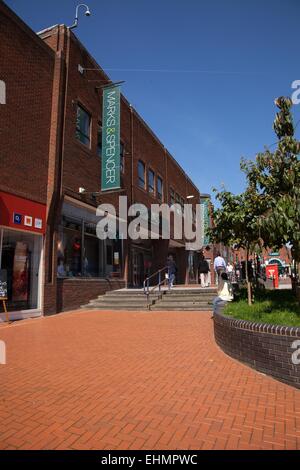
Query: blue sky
{"points": [[203, 74]]}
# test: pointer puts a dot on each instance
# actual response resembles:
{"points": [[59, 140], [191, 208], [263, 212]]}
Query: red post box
{"points": [[273, 273]]}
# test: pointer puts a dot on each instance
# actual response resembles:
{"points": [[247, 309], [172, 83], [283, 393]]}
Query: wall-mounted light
{"points": [[87, 13]]}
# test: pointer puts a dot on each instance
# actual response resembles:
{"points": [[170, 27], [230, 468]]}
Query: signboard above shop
{"points": [[110, 171], [20, 213]]}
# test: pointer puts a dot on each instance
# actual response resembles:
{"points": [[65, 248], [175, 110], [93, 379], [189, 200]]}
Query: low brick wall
{"points": [[72, 293], [266, 348]]}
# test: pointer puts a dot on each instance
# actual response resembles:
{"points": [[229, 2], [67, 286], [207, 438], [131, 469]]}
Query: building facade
{"points": [[51, 147]]}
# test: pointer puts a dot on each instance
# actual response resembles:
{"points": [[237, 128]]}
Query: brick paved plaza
{"points": [[131, 380]]}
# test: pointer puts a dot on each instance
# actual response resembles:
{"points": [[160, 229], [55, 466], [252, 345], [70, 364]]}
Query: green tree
{"points": [[275, 176], [237, 222]]}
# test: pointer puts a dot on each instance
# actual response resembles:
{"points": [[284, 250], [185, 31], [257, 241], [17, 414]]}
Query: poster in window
{"points": [[20, 273], [3, 283]]}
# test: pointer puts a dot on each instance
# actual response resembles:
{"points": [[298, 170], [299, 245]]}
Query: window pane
{"points": [[151, 181], [172, 197], [159, 188], [141, 173], [69, 255], [83, 126]]}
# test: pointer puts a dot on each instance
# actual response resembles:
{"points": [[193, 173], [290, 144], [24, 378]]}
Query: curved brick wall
{"points": [[266, 348]]}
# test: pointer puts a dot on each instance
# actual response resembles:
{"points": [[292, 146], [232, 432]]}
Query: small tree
{"points": [[237, 222], [276, 178]]}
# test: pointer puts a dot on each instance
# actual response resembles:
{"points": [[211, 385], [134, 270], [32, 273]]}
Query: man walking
{"points": [[172, 269], [203, 270], [219, 266]]}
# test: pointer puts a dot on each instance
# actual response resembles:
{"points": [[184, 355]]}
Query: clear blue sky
{"points": [[203, 74]]}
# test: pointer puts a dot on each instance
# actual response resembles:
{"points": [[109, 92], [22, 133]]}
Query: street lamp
{"points": [[87, 13]]}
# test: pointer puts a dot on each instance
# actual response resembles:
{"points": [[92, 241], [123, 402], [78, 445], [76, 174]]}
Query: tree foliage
{"points": [[275, 177]]}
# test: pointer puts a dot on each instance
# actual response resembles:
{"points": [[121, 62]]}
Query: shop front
{"points": [[22, 228], [80, 253], [86, 265]]}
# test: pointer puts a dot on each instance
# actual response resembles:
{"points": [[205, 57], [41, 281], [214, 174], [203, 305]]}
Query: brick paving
{"points": [[131, 380]]}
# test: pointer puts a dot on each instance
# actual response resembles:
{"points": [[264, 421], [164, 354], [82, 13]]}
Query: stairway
{"points": [[177, 299], [186, 299]]}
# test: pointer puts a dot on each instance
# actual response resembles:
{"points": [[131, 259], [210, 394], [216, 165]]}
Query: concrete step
{"points": [[127, 300], [108, 306], [184, 298], [126, 297], [125, 293], [193, 292], [159, 307], [183, 304]]}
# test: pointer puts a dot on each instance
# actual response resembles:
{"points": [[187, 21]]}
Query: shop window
{"points": [[172, 197], [151, 181], [92, 264], [159, 188], [83, 126], [70, 250], [109, 255], [82, 254], [141, 174], [20, 261]]}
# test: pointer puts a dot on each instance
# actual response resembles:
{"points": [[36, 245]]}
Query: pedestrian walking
{"points": [[230, 271], [172, 270], [203, 269], [219, 266]]}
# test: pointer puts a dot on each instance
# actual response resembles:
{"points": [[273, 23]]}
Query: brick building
{"points": [[54, 101]]}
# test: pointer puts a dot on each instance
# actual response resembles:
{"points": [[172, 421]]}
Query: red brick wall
{"points": [[26, 66], [144, 145], [72, 293]]}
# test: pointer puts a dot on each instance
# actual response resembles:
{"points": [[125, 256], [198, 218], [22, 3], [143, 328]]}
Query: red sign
{"points": [[19, 213], [272, 273]]}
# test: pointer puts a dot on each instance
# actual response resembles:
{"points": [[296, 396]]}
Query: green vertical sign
{"points": [[110, 171]]}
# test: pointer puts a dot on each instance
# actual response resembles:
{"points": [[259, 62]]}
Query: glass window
{"points": [[99, 142], [151, 181], [20, 266], [92, 263], [69, 252], [141, 174], [83, 124], [172, 197], [80, 252], [159, 188]]}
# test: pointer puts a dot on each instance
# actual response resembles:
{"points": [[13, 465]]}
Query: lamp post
{"points": [[87, 13]]}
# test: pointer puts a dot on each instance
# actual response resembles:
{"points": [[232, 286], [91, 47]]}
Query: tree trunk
{"points": [[249, 287]]}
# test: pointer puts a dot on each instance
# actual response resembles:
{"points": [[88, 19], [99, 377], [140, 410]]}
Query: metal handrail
{"points": [[146, 283]]}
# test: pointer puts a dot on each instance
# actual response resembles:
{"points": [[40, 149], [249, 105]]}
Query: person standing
{"points": [[203, 269], [172, 269], [219, 266], [229, 270]]}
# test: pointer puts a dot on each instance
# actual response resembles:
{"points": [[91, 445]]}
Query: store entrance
{"points": [[20, 258]]}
